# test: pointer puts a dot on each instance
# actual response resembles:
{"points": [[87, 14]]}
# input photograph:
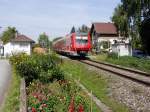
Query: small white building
{"points": [[122, 48], [21, 43]]}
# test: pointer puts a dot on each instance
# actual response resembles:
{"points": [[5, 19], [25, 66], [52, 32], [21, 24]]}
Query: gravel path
{"points": [[5, 75]]}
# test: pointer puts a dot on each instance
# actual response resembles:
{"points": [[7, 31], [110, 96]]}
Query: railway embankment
{"points": [[134, 75], [95, 82], [119, 93], [142, 64]]}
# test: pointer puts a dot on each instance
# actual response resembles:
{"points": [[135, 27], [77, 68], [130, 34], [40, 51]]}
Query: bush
{"points": [[29, 70], [57, 73], [113, 55], [16, 59], [43, 67]]}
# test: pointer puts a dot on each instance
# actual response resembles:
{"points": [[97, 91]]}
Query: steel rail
{"points": [[123, 68], [136, 76]]}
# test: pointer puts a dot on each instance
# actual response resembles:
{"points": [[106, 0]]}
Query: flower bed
{"points": [[48, 90], [59, 96]]}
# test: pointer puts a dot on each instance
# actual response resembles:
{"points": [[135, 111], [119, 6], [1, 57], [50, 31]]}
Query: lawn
{"points": [[93, 81]]}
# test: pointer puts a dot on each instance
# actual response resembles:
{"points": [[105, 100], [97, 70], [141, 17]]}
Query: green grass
{"points": [[95, 108], [127, 61], [12, 99], [93, 81]]}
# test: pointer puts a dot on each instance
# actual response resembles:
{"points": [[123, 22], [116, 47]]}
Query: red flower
{"points": [[33, 109], [81, 109], [71, 106]]}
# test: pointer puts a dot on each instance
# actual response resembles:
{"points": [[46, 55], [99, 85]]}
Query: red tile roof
{"points": [[105, 28], [22, 38]]}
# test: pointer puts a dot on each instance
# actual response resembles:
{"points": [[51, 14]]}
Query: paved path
{"points": [[5, 75]]}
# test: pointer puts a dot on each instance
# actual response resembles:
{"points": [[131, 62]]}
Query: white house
{"points": [[21, 43], [122, 48], [103, 32]]}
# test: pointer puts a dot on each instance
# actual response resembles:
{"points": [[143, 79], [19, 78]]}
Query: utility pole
{"points": [[1, 47]]}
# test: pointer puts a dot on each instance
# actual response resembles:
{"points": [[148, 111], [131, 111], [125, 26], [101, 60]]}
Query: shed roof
{"points": [[105, 28]]}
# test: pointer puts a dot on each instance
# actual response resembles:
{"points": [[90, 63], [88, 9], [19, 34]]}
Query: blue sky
{"points": [[55, 17]]}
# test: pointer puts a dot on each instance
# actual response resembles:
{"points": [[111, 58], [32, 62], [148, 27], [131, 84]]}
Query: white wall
{"points": [[15, 47], [109, 39], [122, 49]]}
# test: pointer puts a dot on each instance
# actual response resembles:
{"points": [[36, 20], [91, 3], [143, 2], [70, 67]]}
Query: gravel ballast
{"points": [[135, 96]]}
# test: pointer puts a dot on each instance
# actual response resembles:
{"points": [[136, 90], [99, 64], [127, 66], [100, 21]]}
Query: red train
{"points": [[73, 44]]}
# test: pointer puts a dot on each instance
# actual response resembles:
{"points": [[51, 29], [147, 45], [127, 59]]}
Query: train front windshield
{"points": [[81, 38], [81, 41]]}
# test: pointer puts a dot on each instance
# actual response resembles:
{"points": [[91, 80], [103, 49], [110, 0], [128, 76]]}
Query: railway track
{"points": [[134, 75]]}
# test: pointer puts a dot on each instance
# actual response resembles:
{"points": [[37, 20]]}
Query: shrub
{"points": [[43, 67], [45, 62], [57, 73], [29, 70], [16, 59], [113, 55]]}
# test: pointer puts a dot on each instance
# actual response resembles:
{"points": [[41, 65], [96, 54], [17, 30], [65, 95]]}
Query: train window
{"points": [[81, 41]]}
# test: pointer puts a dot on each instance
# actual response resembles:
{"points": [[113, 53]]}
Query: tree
{"points": [[43, 40], [145, 34], [73, 30], [121, 21], [128, 17], [83, 29], [9, 34]]}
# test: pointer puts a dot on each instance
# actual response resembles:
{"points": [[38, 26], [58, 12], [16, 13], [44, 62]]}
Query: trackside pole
{"points": [[91, 101]]}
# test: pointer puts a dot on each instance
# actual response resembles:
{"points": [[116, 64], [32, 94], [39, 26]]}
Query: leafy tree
{"points": [[9, 34], [121, 21], [145, 34], [43, 40], [128, 17]]}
